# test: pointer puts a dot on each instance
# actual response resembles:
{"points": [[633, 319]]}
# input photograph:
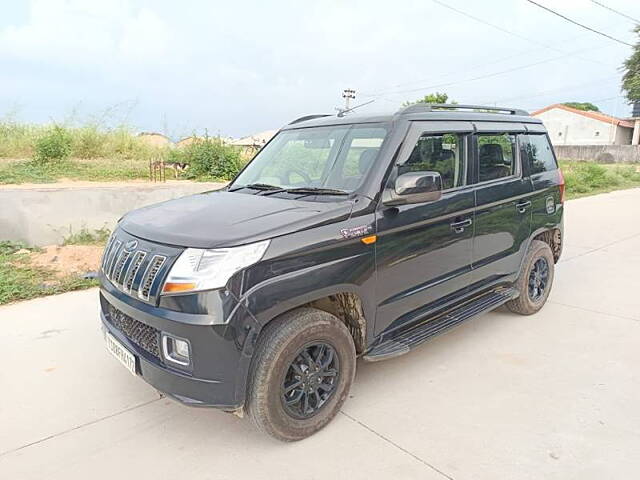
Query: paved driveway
{"points": [[553, 396]]}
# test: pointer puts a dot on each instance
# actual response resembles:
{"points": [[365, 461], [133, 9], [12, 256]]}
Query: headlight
{"points": [[198, 269]]}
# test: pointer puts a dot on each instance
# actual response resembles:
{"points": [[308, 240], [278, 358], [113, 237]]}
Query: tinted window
{"points": [[438, 153], [540, 155], [496, 156]]}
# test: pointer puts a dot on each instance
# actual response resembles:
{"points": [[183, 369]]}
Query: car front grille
{"points": [[136, 266], [143, 335]]}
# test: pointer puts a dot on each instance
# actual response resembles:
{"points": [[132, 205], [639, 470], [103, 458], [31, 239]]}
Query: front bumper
{"points": [[219, 360]]}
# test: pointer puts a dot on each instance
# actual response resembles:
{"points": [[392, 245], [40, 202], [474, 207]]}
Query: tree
{"points": [[585, 106], [631, 78], [431, 98]]}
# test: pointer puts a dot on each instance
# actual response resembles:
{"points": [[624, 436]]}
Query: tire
{"points": [[529, 302], [278, 359]]}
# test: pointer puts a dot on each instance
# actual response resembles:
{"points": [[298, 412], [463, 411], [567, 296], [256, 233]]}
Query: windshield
{"points": [[329, 158]]}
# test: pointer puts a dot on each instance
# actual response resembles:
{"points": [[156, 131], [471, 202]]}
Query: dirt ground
{"points": [[69, 259]]}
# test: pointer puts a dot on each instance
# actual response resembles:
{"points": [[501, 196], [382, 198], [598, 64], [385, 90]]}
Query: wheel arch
{"points": [[345, 304]]}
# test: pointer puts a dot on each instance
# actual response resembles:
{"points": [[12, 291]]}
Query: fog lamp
{"points": [[176, 350]]}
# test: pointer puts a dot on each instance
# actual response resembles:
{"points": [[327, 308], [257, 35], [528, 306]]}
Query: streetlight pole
{"points": [[348, 94]]}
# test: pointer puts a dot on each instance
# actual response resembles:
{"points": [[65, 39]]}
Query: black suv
{"points": [[345, 237]]}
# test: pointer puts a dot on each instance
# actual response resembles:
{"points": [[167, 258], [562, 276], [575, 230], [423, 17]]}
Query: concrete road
{"points": [[553, 396]]}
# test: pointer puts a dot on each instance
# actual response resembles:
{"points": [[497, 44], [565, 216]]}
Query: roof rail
{"points": [[431, 107], [309, 117]]}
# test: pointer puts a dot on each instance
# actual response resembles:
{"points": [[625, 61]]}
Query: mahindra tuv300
{"points": [[345, 237]]}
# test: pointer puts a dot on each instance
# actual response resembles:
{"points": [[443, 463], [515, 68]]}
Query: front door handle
{"points": [[459, 227], [522, 206]]}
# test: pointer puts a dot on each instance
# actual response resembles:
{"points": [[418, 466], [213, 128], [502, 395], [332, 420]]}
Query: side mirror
{"points": [[414, 187]]}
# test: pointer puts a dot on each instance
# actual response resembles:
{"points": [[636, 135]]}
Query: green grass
{"points": [[88, 141], [586, 178], [86, 237], [96, 170], [20, 280]]}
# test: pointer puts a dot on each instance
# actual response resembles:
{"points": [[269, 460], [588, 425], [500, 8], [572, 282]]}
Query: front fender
{"points": [[280, 294]]}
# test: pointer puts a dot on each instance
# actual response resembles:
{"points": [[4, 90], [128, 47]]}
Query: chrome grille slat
{"points": [[118, 269], [132, 271], [105, 255], [112, 257], [150, 275]]}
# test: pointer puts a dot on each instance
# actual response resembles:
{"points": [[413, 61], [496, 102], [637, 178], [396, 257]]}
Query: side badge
{"points": [[551, 205], [356, 231]]}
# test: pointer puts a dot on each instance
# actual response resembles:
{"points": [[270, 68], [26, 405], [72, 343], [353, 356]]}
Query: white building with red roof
{"points": [[570, 126]]}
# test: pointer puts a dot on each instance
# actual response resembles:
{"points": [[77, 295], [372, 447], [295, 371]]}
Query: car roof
{"points": [[417, 112]]}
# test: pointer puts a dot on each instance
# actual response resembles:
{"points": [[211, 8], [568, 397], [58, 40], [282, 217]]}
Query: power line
{"points": [[509, 32], [480, 77], [476, 66], [616, 11], [598, 82], [579, 24]]}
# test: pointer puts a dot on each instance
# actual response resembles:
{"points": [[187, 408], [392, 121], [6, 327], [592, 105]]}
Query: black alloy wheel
{"points": [[310, 380], [538, 279]]}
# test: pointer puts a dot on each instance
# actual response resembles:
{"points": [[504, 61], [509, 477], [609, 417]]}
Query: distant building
{"points": [[154, 139], [255, 141], [569, 126], [183, 142]]}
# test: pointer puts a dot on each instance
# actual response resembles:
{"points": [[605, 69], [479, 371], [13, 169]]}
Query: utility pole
{"points": [[348, 94]]}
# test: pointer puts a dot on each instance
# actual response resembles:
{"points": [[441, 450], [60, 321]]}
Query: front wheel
{"points": [[535, 280], [301, 373]]}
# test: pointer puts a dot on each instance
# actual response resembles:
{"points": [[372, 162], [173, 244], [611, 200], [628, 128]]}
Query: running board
{"points": [[417, 335]]}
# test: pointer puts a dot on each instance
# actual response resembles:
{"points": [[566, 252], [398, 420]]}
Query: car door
{"points": [[503, 203], [423, 251]]}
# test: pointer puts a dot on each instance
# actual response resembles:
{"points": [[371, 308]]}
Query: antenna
{"points": [[342, 112]]}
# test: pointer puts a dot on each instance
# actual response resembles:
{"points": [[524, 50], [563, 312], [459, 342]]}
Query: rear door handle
{"points": [[459, 227], [522, 206]]}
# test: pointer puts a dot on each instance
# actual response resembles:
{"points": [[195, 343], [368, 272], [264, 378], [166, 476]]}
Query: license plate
{"points": [[121, 353]]}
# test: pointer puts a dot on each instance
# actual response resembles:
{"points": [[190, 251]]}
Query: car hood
{"points": [[223, 219]]}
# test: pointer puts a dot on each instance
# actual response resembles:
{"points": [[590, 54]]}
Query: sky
{"points": [[240, 67]]}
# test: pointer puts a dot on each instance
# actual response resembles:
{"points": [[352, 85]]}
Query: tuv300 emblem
{"points": [[356, 231]]}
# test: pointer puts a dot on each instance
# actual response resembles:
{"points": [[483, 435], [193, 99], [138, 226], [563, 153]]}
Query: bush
{"points": [[56, 144], [86, 237], [17, 140], [89, 142], [210, 159]]}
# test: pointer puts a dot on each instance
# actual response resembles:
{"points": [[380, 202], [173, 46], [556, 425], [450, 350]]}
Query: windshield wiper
{"points": [[258, 186], [316, 191]]}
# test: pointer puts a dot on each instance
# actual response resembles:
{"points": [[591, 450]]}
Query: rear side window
{"points": [[496, 156], [438, 153], [540, 155]]}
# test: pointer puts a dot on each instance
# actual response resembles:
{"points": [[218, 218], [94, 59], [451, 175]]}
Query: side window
{"points": [[496, 156], [540, 155], [438, 153]]}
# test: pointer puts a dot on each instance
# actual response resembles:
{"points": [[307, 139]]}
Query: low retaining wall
{"points": [[599, 153], [46, 215]]}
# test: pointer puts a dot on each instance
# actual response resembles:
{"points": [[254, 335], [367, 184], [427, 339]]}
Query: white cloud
{"points": [[80, 33], [250, 65]]}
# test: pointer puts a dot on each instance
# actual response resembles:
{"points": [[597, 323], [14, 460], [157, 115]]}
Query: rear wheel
{"points": [[535, 280], [301, 373]]}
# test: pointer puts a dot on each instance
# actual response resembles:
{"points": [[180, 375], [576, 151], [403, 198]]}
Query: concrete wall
{"points": [[568, 128], [44, 216], [599, 153]]}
